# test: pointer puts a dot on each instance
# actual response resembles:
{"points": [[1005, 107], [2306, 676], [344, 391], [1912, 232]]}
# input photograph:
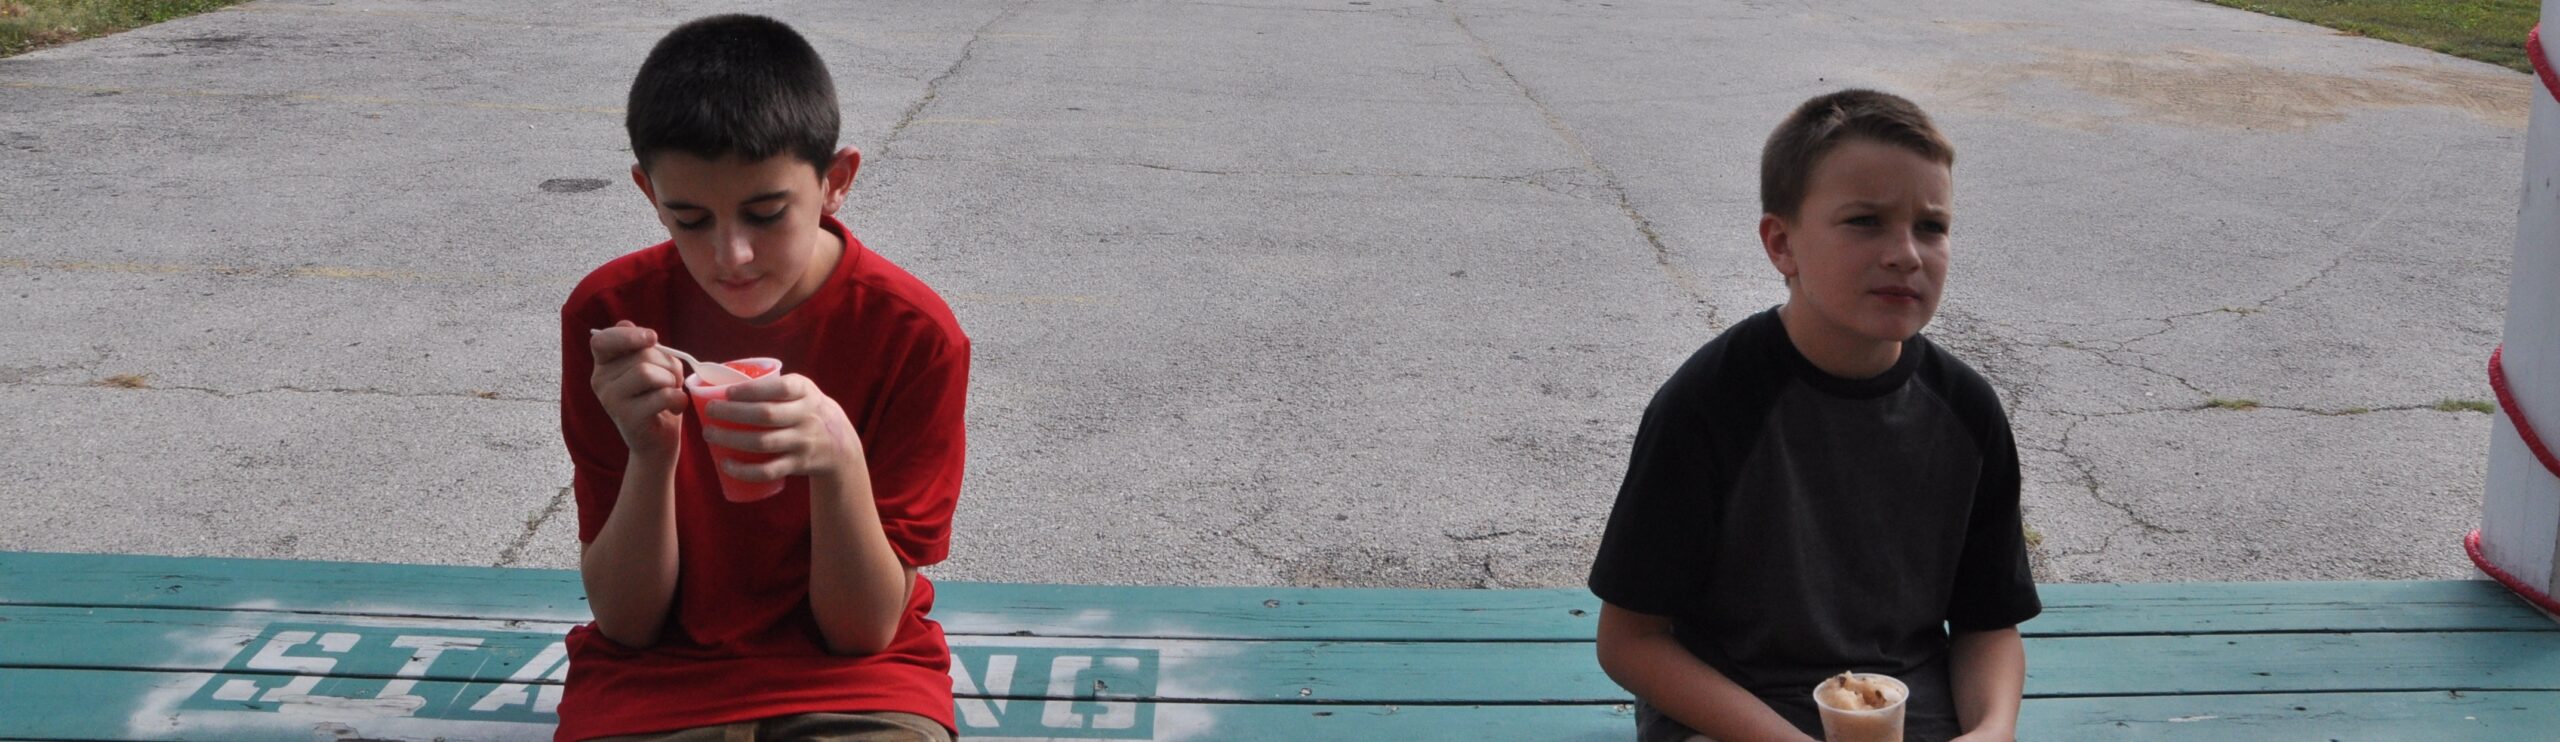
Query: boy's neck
{"points": [[1836, 350]]}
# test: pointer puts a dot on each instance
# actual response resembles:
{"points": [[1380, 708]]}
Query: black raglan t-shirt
{"points": [[1795, 525]]}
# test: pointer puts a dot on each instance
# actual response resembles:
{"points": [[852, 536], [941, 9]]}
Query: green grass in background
{"points": [[2487, 30], [28, 25]]}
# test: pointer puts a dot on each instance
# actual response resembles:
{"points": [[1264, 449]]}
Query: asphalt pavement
{"points": [[1314, 293]]}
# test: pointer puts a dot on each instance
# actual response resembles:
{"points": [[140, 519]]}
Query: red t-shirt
{"points": [[740, 642]]}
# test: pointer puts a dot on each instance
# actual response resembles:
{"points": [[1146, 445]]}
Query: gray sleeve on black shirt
{"points": [[1994, 588]]}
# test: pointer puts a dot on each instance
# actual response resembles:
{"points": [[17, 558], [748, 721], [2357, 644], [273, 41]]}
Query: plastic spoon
{"points": [[717, 374]]}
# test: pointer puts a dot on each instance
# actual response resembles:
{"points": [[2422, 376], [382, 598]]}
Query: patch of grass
{"points": [[2450, 404], [2355, 410], [2219, 403], [28, 25], [485, 394], [2035, 538], [2487, 30], [126, 381]]}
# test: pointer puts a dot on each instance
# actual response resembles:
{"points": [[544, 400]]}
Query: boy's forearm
{"points": [[1989, 670], [630, 568], [1656, 668], [858, 588]]}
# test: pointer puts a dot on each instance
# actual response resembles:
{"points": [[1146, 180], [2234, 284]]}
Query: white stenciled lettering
{"points": [[981, 712], [1059, 713], [1064, 674], [308, 670], [519, 689], [425, 650], [1117, 714]]}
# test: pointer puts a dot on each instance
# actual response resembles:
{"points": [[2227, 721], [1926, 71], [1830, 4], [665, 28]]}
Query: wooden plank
{"points": [[994, 609], [1230, 612], [151, 705], [146, 705], [305, 586], [2450, 717], [1268, 613], [2249, 607], [374, 650], [1233, 670], [2264, 663]]}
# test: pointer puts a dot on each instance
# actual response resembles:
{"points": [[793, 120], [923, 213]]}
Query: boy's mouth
{"points": [[740, 285], [1896, 293]]}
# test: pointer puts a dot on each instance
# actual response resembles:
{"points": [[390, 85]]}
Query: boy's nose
{"points": [[734, 250], [1904, 253]]}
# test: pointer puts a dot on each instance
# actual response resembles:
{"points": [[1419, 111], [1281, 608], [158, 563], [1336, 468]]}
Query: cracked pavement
{"points": [[1310, 293]]}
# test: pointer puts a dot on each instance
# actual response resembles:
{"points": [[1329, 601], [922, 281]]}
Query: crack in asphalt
{"points": [[2362, 236], [1680, 278], [2089, 480], [933, 87], [533, 525]]}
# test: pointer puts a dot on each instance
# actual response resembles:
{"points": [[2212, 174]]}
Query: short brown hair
{"points": [[1826, 121], [739, 85]]}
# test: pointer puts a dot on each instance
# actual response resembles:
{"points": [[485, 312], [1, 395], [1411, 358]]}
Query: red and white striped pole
{"points": [[2518, 542]]}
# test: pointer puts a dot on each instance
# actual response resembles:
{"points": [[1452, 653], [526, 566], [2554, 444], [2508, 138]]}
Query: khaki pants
{"points": [[883, 726]]}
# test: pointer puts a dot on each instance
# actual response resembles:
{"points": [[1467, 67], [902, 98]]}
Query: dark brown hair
{"points": [[733, 85], [1826, 121]]}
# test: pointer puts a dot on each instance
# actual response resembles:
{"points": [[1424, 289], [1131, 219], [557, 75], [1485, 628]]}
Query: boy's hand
{"points": [[642, 389], [806, 430]]}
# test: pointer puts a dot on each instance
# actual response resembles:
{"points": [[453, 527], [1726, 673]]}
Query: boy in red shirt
{"points": [[799, 615]]}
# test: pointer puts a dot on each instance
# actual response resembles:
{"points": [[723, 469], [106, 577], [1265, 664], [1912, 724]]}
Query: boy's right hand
{"points": [[642, 389]]}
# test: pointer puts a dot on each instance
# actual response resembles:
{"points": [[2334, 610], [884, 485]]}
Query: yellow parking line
{"points": [[536, 22], [314, 97], [389, 275], [306, 271]]}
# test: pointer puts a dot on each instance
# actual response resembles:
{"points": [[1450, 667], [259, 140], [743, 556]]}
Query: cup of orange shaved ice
{"points": [[704, 393]]}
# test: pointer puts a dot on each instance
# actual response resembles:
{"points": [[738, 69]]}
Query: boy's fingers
{"points": [[613, 343], [745, 413], [751, 441], [767, 389], [642, 375], [637, 381], [641, 399]]}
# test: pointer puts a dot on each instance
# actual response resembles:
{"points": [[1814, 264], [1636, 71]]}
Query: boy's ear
{"points": [[640, 178], [840, 172], [1773, 240]]}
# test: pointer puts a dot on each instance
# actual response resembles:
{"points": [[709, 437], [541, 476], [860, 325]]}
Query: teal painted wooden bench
{"points": [[105, 647]]}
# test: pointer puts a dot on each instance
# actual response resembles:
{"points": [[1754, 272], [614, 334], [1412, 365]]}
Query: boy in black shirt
{"points": [[1820, 489]]}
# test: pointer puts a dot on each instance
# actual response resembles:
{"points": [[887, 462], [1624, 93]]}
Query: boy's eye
{"points": [[766, 218], [695, 224], [1862, 221], [1934, 227]]}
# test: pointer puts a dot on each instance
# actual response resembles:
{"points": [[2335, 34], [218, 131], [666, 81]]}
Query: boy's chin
{"points": [[1893, 328], [746, 308]]}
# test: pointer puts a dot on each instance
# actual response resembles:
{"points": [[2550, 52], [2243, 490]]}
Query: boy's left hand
{"points": [[806, 429]]}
